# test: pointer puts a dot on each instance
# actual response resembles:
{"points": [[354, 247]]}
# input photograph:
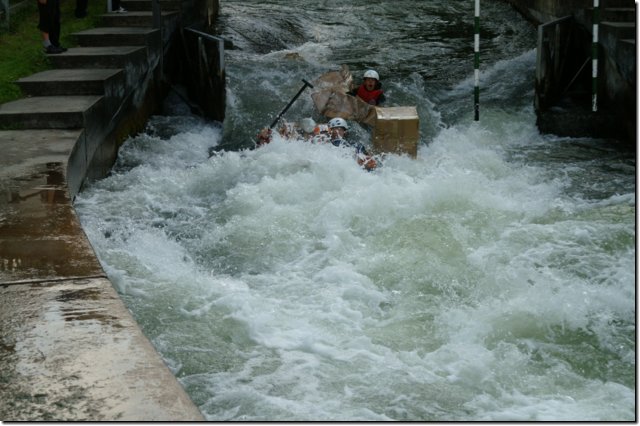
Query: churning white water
{"points": [[491, 278]]}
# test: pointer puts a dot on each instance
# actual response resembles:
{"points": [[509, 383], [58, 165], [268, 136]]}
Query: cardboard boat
{"points": [[393, 129]]}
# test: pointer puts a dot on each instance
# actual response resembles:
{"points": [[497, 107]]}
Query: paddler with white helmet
{"points": [[338, 129], [370, 90]]}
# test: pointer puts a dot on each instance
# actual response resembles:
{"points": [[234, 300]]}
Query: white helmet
{"points": [[307, 125], [371, 74], [338, 122]]}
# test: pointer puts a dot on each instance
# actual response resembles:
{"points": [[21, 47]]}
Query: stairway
{"points": [[88, 79], [66, 116]]}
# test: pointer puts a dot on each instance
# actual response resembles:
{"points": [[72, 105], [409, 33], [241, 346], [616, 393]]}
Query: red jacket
{"points": [[374, 97]]}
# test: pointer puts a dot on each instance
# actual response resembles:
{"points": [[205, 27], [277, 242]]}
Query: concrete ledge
{"points": [[101, 57], [137, 18], [49, 112], [55, 334], [40, 235], [73, 82], [69, 348], [120, 36]]}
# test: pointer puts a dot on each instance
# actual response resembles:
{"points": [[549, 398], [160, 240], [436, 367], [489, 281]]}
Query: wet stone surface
{"points": [[70, 351], [40, 235]]}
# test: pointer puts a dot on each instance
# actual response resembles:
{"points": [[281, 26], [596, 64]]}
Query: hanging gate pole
{"points": [[476, 61], [594, 57]]}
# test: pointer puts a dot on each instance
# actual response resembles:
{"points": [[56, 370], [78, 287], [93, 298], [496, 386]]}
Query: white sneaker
{"points": [[120, 10]]}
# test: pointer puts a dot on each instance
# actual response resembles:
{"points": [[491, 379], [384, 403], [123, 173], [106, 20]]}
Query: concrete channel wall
{"points": [[616, 82], [69, 349]]}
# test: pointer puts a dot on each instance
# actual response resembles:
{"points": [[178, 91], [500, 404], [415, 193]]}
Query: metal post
{"points": [[476, 61], [594, 57]]}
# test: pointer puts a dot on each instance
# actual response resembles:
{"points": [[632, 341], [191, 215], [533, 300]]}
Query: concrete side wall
{"points": [[106, 128], [146, 85], [541, 11], [617, 66], [96, 150]]}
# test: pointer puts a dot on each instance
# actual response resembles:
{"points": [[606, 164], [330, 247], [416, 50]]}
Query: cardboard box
{"points": [[396, 130]]}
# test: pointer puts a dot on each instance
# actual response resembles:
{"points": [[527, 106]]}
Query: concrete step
{"points": [[73, 82], [617, 3], [118, 36], [137, 5], [610, 14], [618, 14], [49, 112], [135, 19], [100, 57], [107, 82], [619, 30]]}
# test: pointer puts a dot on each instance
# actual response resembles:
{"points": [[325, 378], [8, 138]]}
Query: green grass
{"points": [[21, 52]]}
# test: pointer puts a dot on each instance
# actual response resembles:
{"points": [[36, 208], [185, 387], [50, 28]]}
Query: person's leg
{"points": [[45, 39], [54, 30], [44, 25], [43, 22]]}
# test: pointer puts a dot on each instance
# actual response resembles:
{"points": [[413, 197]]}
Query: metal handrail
{"points": [[549, 51], [213, 38]]}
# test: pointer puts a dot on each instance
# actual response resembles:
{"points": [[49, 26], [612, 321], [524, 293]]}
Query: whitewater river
{"points": [[491, 278]]}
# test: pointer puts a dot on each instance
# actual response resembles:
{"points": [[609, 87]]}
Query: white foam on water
{"points": [[474, 282], [288, 283]]}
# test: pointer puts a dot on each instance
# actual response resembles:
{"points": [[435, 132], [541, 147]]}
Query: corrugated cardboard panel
{"points": [[396, 130]]}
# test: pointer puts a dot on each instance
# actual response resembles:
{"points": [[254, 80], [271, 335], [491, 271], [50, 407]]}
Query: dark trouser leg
{"points": [[52, 23], [81, 8]]}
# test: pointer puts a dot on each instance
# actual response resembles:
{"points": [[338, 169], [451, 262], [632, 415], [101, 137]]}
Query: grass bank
{"points": [[21, 52]]}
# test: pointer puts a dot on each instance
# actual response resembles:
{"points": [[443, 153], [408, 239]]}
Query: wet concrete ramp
{"points": [[55, 333], [69, 348]]}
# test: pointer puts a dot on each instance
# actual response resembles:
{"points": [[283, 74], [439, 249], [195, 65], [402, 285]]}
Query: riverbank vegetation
{"points": [[21, 52]]}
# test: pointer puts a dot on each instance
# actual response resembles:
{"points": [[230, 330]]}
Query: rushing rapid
{"points": [[491, 278]]}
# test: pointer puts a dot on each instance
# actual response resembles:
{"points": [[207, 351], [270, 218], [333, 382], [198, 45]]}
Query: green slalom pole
{"points": [[476, 62], [594, 57]]}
